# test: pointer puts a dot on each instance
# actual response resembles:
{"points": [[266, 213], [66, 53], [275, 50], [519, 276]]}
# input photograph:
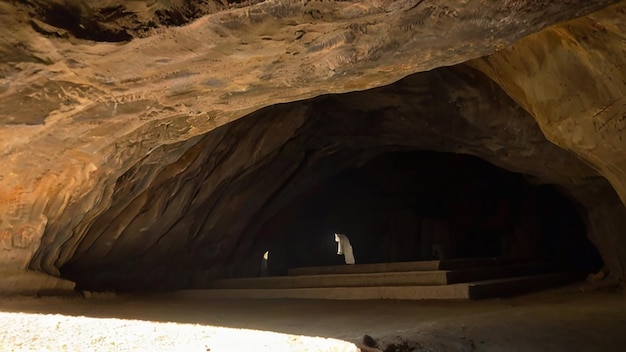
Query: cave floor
{"points": [[564, 319]]}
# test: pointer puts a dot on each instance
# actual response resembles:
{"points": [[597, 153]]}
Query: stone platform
{"points": [[438, 279]]}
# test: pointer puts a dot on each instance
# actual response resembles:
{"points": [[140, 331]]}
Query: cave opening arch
{"points": [[198, 217]]}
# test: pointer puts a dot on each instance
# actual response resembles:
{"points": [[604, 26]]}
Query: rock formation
{"points": [[146, 145]]}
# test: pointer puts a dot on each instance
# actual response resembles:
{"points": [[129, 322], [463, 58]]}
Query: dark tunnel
{"points": [[424, 205]]}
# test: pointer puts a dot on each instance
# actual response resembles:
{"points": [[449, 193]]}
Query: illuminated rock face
{"points": [[137, 155]]}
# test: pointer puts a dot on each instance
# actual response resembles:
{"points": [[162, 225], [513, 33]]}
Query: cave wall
{"points": [[205, 210], [85, 139], [570, 77]]}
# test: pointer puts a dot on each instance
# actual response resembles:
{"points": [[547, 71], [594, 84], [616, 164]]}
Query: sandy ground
{"points": [[558, 320]]}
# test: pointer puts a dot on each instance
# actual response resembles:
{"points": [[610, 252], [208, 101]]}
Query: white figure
{"points": [[344, 247], [266, 257]]}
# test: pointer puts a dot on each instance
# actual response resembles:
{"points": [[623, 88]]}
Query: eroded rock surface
{"points": [[570, 77], [204, 211], [117, 155]]}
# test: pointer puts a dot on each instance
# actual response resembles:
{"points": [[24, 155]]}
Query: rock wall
{"points": [[104, 116], [570, 77], [199, 217]]}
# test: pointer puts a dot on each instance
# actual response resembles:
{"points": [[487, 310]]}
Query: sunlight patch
{"points": [[55, 332]]}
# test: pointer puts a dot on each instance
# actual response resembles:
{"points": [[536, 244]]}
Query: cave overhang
{"points": [[116, 98]]}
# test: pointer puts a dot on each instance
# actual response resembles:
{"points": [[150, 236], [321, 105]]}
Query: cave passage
{"points": [[423, 205], [389, 167]]}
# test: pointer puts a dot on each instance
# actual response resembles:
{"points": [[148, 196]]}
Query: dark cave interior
{"points": [[424, 205], [407, 171]]}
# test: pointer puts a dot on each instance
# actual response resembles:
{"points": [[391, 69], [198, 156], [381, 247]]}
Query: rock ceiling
{"points": [[115, 134]]}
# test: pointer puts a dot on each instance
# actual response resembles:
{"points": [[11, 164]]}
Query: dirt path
{"points": [[559, 320]]}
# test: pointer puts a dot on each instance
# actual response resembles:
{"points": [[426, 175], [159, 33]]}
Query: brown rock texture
{"points": [[144, 146], [570, 77]]}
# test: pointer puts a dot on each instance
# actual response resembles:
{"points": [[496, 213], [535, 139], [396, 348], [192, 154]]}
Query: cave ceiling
{"points": [[106, 106]]}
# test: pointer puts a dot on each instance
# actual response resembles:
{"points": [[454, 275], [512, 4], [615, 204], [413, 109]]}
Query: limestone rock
{"points": [[125, 151]]}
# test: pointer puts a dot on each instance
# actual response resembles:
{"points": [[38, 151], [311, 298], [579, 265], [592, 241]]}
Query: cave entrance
{"points": [[424, 205]]}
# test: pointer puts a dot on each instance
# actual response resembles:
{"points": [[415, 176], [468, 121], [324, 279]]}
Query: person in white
{"points": [[344, 247]]}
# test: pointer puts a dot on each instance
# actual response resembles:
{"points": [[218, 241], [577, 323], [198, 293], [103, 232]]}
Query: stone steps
{"points": [[461, 291], [401, 278], [335, 293], [520, 285], [437, 279], [449, 264]]}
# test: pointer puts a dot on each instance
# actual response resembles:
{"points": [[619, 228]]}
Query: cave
{"points": [[159, 145], [157, 153], [243, 189], [400, 205]]}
